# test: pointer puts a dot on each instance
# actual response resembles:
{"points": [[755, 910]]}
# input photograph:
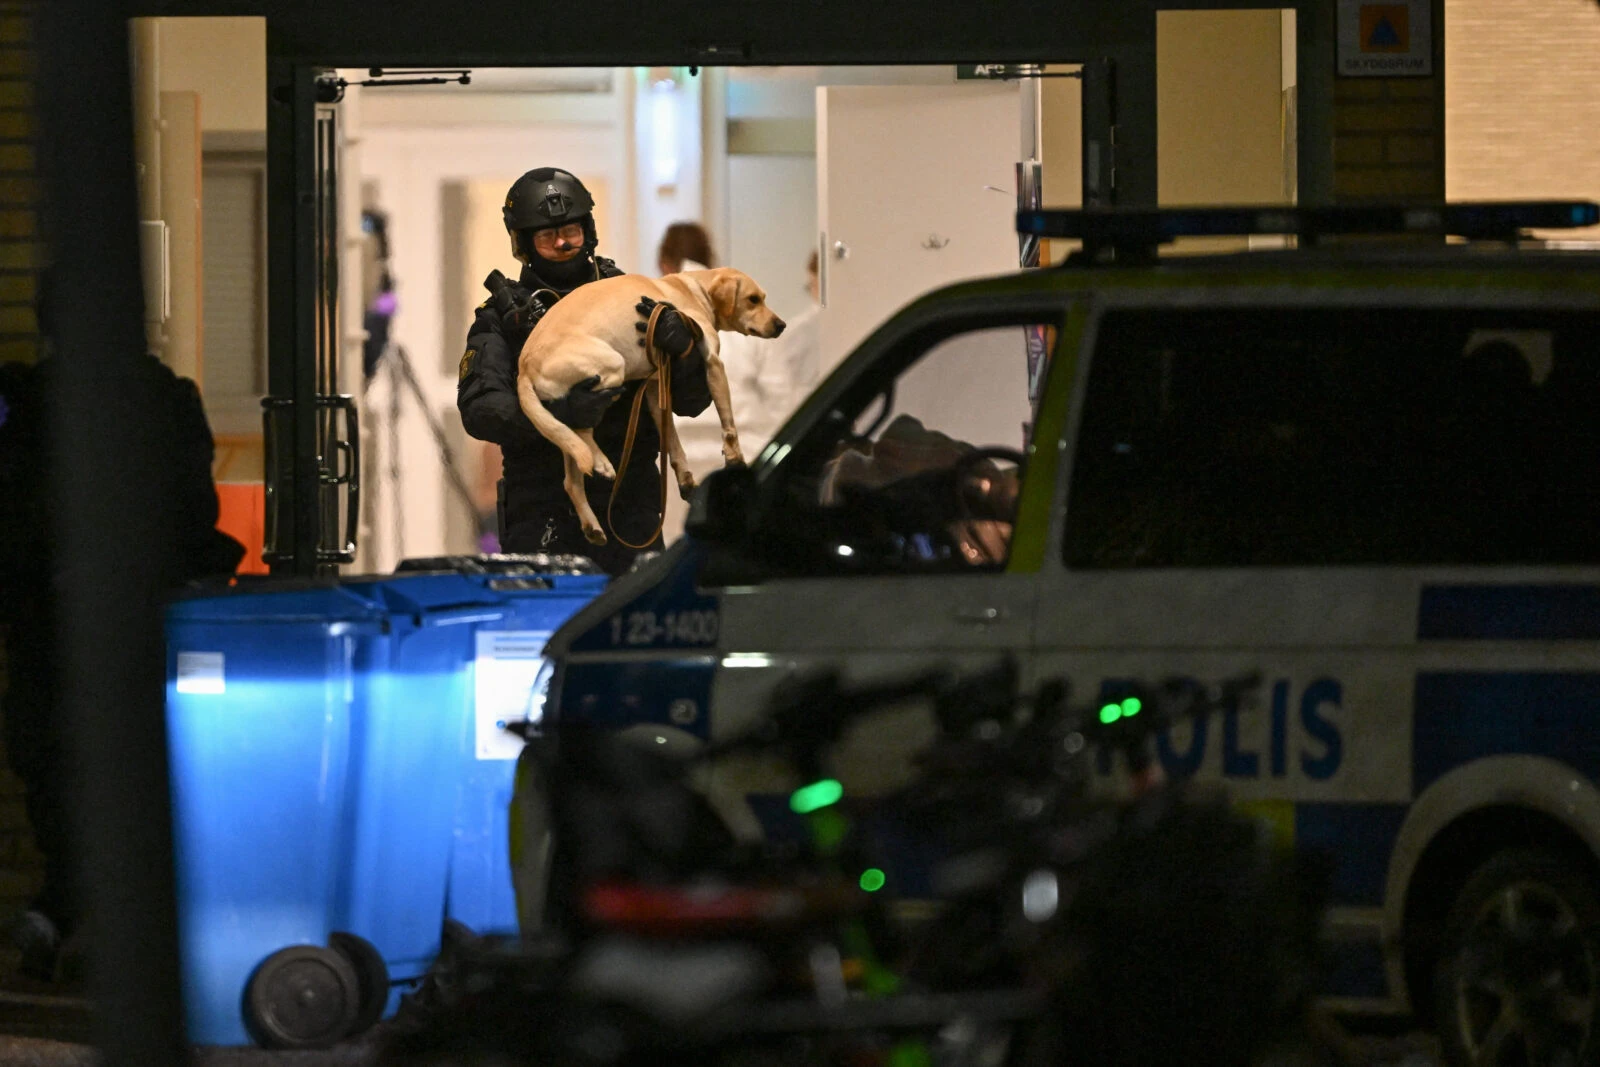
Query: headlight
{"points": [[540, 692]]}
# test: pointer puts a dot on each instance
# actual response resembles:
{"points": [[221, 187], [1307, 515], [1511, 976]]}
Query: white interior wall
{"points": [[773, 93], [773, 197], [225, 61], [773, 216], [666, 167]]}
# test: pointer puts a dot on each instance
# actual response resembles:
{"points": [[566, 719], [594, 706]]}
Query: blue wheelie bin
{"points": [[262, 691], [406, 763], [510, 680], [342, 775], [519, 602]]}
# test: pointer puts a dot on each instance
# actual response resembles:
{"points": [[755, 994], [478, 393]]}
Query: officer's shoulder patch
{"points": [[466, 361]]}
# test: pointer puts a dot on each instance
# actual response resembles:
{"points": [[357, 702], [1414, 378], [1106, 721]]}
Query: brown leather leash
{"points": [[663, 378]]}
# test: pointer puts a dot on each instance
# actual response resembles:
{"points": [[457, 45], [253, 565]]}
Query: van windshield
{"points": [[921, 475]]}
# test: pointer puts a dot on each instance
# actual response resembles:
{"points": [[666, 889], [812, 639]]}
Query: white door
{"points": [[901, 168]]}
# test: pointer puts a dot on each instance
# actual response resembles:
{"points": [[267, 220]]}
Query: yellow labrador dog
{"points": [[591, 332]]}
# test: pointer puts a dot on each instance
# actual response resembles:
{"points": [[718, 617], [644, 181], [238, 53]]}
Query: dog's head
{"points": [[740, 305]]}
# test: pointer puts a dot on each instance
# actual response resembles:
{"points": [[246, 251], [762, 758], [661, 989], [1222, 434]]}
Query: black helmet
{"points": [[546, 197]]}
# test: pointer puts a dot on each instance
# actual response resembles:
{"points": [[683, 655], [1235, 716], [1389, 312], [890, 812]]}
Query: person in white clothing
{"points": [[795, 356], [767, 380]]}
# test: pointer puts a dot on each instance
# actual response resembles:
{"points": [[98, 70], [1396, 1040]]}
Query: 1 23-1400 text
{"points": [[639, 628]]}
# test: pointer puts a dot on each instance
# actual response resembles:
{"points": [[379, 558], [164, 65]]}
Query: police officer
{"points": [[550, 217]]}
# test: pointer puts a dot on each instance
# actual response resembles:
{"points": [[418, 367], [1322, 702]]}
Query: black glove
{"points": [[676, 335], [679, 337]]}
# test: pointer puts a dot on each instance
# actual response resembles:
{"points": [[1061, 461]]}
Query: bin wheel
{"points": [[372, 974], [304, 996]]}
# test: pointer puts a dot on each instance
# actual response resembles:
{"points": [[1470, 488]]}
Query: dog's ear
{"points": [[724, 293]]}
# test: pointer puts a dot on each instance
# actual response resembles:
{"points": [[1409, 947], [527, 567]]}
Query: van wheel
{"points": [[1517, 980]]}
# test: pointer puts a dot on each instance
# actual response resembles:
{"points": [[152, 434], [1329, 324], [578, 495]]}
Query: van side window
{"points": [[921, 471], [1259, 437]]}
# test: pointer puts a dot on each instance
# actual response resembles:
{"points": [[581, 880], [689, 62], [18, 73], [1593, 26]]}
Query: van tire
{"points": [[1518, 970]]}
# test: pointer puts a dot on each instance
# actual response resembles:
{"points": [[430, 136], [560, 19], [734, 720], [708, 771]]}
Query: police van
{"points": [[1368, 472]]}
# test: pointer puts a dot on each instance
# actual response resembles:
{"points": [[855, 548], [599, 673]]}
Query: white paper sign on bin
{"points": [[511, 681], [202, 672]]}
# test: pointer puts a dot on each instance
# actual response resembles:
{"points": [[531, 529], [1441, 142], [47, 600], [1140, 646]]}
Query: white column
{"points": [[714, 209]]}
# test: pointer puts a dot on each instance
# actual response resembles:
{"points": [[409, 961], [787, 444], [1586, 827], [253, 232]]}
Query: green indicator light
{"points": [[816, 796], [1131, 707], [910, 1054], [1110, 713], [828, 829], [872, 879]]}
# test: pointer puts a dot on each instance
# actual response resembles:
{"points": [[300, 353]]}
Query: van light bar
{"points": [[1485, 220]]}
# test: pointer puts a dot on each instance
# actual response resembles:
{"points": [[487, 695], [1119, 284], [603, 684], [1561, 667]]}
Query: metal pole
{"points": [[292, 337], [112, 502]]}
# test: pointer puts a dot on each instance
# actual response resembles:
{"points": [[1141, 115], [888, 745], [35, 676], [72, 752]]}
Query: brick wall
{"points": [[1388, 139], [18, 187], [1509, 113], [1389, 133], [1522, 106], [20, 865]]}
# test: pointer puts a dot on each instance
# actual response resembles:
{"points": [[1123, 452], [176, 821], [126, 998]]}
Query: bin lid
{"points": [[432, 594], [456, 584], [532, 563], [291, 600]]}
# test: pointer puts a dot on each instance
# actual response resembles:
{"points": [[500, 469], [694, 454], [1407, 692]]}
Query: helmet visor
{"points": [[555, 238]]}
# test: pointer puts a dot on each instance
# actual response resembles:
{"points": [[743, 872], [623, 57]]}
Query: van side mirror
{"points": [[720, 512]]}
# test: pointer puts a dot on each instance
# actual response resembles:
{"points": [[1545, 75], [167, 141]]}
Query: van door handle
{"points": [[980, 616]]}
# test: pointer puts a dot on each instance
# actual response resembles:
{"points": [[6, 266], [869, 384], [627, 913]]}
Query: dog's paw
{"points": [[593, 534], [686, 486], [732, 454], [604, 469]]}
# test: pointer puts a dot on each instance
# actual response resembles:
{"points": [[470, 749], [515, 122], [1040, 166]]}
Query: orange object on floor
{"points": [[244, 517]]}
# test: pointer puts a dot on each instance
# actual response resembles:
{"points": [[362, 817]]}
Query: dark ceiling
{"points": [[682, 32]]}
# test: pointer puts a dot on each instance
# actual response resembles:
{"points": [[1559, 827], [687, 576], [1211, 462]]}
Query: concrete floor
{"points": [[43, 1025], [1408, 1050], [43, 1052]]}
